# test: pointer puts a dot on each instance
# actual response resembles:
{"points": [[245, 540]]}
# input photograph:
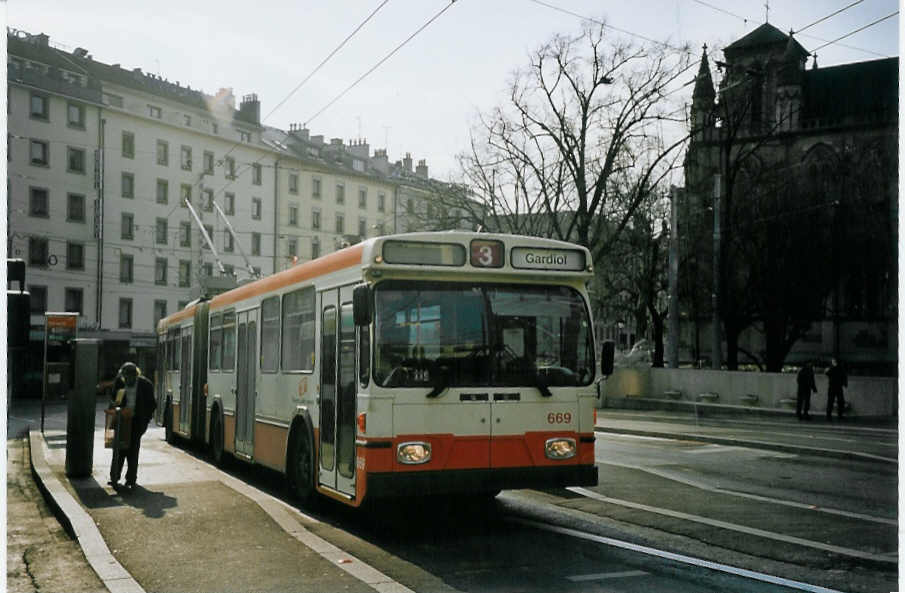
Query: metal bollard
{"points": [[80, 410]]}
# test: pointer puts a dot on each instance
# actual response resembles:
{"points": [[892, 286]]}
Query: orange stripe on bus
{"points": [[339, 260]]}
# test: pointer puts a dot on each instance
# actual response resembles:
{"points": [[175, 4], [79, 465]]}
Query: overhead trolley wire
{"points": [[832, 14], [382, 60], [859, 29]]}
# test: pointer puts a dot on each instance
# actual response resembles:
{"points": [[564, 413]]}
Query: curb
{"points": [[782, 447], [77, 522]]}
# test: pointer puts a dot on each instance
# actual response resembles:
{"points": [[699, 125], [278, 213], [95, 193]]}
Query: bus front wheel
{"points": [[300, 467]]}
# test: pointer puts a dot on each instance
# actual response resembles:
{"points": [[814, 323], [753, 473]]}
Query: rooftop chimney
{"points": [[225, 97], [421, 170], [250, 109], [298, 131], [407, 162], [80, 52], [360, 148], [380, 161], [336, 141]]}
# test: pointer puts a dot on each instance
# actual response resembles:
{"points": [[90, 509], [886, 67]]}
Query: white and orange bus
{"points": [[448, 362]]}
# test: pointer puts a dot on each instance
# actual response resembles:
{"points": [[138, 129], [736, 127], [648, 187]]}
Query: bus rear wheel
{"points": [[300, 468], [216, 443]]}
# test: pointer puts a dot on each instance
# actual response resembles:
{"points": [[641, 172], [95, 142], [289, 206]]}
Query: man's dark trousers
{"points": [[129, 455]]}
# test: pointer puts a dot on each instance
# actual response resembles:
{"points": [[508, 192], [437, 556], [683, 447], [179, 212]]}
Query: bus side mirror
{"points": [[361, 304], [608, 352]]}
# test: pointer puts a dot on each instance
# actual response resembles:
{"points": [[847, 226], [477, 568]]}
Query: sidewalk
{"points": [[189, 526]]}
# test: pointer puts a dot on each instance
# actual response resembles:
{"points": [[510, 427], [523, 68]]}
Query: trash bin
{"points": [[80, 410]]}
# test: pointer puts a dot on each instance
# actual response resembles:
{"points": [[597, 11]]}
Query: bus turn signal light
{"points": [[362, 422]]}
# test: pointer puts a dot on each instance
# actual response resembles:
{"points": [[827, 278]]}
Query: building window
{"points": [[316, 188], [229, 270], [381, 202], [410, 206], [160, 311], [127, 226], [185, 273], [40, 107], [160, 271], [75, 208], [256, 208], [362, 228], [128, 145], [38, 202], [185, 158], [185, 194], [362, 198], [230, 167], [207, 200], [126, 268], [228, 244], [154, 111], [38, 252], [163, 191], [39, 153], [381, 229], [160, 231], [163, 153], [38, 299], [256, 243], [187, 119], [256, 173], [229, 203], [113, 100], [340, 224], [293, 183], [315, 248], [125, 313], [185, 234], [293, 247], [340, 194], [315, 219], [74, 300], [207, 269], [75, 160], [128, 185], [244, 136], [215, 129], [75, 256], [75, 115], [293, 215], [208, 162]]}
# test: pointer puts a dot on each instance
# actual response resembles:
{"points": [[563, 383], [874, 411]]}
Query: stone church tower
{"points": [[803, 159]]}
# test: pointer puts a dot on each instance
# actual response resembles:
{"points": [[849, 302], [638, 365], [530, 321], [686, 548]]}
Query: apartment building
{"points": [[102, 160]]}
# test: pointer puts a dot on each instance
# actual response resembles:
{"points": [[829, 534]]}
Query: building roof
{"points": [[862, 89], [764, 36]]}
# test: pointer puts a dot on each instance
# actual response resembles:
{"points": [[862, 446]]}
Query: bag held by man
{"points": [[117, 428]]}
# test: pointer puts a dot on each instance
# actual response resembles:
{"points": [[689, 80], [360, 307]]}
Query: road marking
{"points": [[748, 574], [607, 575], [788, 503], [733, 527]]}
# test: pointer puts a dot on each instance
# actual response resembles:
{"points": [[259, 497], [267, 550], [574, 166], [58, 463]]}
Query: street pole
{"points": [[673, 278], [717, 346]]}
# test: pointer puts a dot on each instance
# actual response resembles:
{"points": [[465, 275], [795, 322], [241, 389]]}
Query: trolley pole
{"points": [[717, 346], [673, 278]]}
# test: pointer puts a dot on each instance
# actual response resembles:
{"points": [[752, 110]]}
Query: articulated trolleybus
{"points": [[412, 364]]}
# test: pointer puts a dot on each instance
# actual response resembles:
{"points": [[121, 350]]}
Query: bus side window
{"points": [[229, 341], [216, 340], [364, 354]]}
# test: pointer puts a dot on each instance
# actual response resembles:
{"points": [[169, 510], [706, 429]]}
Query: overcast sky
{"points": [[424, 98]]}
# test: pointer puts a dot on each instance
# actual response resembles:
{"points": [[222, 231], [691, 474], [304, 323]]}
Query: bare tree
{"points": [[578, 145]]}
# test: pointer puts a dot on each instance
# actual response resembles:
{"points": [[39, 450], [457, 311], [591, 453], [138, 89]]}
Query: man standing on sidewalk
{"points": [[806, 386], [132, 391], [838, 379]]}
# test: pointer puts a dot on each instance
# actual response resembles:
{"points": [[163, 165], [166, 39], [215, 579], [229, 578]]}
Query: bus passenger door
{"points": [[338, 391], [185, 381], [246, 381]]}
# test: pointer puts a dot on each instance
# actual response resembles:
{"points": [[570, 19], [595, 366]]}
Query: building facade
{"points": [[102, 161], [800, 165]]}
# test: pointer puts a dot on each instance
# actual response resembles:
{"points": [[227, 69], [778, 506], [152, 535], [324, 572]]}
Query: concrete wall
{"points": [[867, 396]]}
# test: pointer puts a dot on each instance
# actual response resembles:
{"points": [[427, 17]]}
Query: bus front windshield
{"points": [[444, 335]]}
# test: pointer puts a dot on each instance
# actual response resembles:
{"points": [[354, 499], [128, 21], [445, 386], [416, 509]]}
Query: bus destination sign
{"points": [[535, 258]]}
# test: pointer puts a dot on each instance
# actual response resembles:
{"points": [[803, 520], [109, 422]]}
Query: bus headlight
{"points": [[560, 448], [413, 453]]}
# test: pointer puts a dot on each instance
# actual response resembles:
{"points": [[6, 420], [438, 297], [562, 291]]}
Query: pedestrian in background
{"points": [[838, 380], [806, 386], [134, 392]]}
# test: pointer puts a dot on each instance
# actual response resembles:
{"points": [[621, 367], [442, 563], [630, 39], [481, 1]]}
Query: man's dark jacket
{"points": [[145, 404], [806, 383]]}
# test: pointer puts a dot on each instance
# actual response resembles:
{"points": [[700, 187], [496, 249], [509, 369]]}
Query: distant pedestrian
{"points": [[133, 392], [806, 386], [838, 380]]}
